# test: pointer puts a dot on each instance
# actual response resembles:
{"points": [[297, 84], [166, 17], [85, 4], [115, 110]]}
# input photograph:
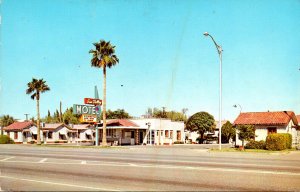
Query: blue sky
{"points": [[164, 58]]}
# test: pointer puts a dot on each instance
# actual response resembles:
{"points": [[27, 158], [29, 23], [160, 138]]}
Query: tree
{"points": [[246, 132], [69, 117], [201, 122], [36, 87], [104, 56], [5, 121], [227, 131], [118, 114]]}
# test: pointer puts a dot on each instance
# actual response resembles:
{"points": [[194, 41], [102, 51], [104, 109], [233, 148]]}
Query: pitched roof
{"points": [[266, 118], [52, 125], [298, 119], [81, 126], [18, 126], [122, 123]]}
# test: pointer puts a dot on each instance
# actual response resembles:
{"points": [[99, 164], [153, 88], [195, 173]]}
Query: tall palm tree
{"points": [[104, 56], [37, 86]]}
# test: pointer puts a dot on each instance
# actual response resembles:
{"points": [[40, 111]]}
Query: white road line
{"points": [[43, 160], [168, 160], [83, 162], [255, 171], [7, 158], [62, 184]]}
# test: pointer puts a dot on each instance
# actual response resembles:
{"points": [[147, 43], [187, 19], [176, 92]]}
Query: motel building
{"points": [[266, 123], [143, 131], [26, 132]]}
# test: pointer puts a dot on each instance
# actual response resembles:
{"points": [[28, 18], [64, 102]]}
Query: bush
{"points": [[178, 142], [256, 145], [4, 139], [279, 141]]}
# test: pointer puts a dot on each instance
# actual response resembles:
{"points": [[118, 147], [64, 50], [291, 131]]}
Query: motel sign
{"points": [[86, 109]]}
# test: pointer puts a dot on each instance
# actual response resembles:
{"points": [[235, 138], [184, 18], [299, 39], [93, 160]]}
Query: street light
{"points": [[239, 106], [219, 49]]}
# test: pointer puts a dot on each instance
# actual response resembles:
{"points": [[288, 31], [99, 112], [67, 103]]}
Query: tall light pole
{"points": [[219, 49], [239, 107]]}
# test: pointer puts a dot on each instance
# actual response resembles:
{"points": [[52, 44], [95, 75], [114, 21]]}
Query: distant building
{"points": [[270, 122], [210, 137]]}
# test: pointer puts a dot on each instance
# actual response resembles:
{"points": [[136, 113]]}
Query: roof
{"points": [[82, 126], [298, 119], [51, 125], [266, 118], [121, 122], [19, 126]]}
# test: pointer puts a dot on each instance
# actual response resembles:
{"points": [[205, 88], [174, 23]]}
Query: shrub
{"points": [[256, 145], [178, 142], [279, 141], [4, 139]]}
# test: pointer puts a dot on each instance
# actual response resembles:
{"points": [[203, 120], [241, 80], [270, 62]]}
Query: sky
{"points": [[164, 58]]}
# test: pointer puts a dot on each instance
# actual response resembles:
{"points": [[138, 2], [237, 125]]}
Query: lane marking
{"points": [[7, 158], [83, 162], [43, 160], [55, 183], [168, 160], [256, 171]]}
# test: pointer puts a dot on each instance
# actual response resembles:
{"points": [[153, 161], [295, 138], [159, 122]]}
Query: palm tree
{"points": [[37, 86], [104, 56]]}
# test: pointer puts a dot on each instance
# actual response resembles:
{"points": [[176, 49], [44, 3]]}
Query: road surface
{"points": [[144, 168]]}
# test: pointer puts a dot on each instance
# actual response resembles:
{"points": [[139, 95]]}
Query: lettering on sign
{"points": [[92, 101], [88, 118], [86, 109]]}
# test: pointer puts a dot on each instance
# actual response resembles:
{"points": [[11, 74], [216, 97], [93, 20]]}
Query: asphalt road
{"points": [[183, 168]]}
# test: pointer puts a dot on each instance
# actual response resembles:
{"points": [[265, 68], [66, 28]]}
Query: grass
{"points": [[250, 150]]}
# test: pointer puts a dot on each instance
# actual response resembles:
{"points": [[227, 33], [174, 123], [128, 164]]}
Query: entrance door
{"points": [[141, 137]]}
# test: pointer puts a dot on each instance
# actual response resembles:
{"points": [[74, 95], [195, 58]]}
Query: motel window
{"points": [[171, 134], [178, 135], [16, 135], [111, 132], [272, 130], [87, 136], [50, 135], [167, 133]]}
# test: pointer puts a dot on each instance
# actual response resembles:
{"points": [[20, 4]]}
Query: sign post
{"points": [[90, 112]]}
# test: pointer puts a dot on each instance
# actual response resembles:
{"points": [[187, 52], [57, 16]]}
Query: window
{"points": [[16, 135], [171, 134], [178, 135], [167, 133], [50, 135], [272, 130], [161, 133]]}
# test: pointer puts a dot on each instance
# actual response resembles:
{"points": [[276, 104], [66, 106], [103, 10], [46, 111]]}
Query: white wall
{"points": [[160, 126], [261, 133]]}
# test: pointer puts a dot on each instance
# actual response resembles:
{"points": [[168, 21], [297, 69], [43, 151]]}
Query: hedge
{"points": [[255, 145], [4, 139], [279, 141]]}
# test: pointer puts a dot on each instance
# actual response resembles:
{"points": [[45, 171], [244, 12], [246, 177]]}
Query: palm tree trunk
{"points": [[104, 143], [38, 121]]}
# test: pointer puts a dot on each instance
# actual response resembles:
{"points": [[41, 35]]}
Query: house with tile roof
{"points": [[22, 132], [84, 132], [270, 122], [58, 133]]}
